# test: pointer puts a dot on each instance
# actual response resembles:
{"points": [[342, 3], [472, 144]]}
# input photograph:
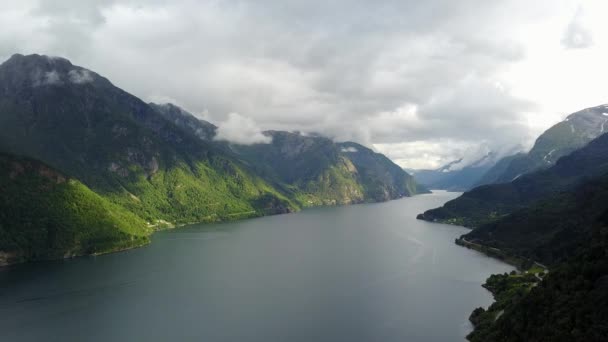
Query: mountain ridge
{"points": [[159, 162]]}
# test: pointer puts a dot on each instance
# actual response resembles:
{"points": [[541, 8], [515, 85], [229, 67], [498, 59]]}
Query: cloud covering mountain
{"points": [[436, 77]]}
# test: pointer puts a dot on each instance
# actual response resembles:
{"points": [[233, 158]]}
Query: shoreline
{"points": [[161, 225]]}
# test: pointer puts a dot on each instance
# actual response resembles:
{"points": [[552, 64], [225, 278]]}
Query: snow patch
{"points": [[572, 128], [548, 155], [605, 114]]}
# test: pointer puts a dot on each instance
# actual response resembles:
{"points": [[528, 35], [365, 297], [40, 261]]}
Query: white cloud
{"points": [[349, 149], [422, 75], [239, 129], [46, 78], [80, 76]]}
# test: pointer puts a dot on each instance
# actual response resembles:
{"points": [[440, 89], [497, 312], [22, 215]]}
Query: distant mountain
{"points": [[453, 177], [46, 214], [563, 138], [321, 171], [489, 203], [312, 167]]}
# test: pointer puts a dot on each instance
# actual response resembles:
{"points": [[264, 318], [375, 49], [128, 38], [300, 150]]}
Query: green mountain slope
{"points": [[568, 231], [560, 140], [46, 215], [319, 171], [488, 203], [550, 230], [77, 121], [158, 164], [381, 178], [313, 169]]}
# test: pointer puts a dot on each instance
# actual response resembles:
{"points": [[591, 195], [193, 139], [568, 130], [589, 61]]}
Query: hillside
{"points": [[47, 215], [314, 169], [182, 118], [77, 121], [319, 171], [570, 231], [488, 203], [560, 140], [155, 165]]}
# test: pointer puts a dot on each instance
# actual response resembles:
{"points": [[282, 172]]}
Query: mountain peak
{"points": [[36, 60], [41, 70]]}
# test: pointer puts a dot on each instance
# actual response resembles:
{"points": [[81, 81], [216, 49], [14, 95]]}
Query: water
{"points": [[356, 273]]}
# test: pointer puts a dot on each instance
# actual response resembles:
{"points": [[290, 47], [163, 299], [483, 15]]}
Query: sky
{"points": [[424, 82]]}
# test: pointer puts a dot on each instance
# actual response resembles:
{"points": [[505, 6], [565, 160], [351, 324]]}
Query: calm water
{"points": [[356, 273]]}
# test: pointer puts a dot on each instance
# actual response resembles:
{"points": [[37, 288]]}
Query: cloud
{"points": [[421, 74], [242, 130], [349, 149], [577, 36], [48, 78], [80, 76]]}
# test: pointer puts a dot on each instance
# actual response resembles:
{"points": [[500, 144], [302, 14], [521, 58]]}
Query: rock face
{"points": [[181, 118], [574, 132]]}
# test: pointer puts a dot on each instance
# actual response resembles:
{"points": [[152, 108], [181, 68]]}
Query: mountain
{"points": [[488, 203], [46, 214], [321, 171], [313, 168], [569, 232], [563, 138], [453, 176], [77, 121], [151, 166], [186, 120]]}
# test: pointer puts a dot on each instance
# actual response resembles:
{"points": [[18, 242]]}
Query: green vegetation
{"points": [[151, 167], [199, 193], [570, 304], [318, 171], [508, 290], [47, 215], [567, 231], [551, 230]]}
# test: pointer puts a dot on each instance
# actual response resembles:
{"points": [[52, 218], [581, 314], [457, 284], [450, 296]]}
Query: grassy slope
{"points": [[124, 150], [198, 192], [47, 215]]}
